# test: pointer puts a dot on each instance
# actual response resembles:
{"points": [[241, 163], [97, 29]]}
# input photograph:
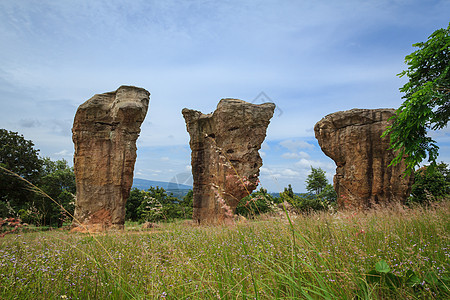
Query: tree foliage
{"points": [[151, 209], [257, 203], [58, 181], [430, 184], [19, 156], [55, 178], [328, 194], [427, 101], [156, 205], [187, 205], [134, 201], [316, 181]]}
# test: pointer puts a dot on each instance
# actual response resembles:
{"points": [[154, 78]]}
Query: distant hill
{"points": [[178, 190], [144, 184]]}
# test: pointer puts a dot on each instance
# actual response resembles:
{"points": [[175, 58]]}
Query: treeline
{"points": [[23, 198], [156, 205], [56, 179]]}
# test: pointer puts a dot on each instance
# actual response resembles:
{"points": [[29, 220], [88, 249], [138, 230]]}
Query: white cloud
{"points": [[64, 153], [294, 145], [104, 44], [265, 171], [295, 155], [290, 173], [307, 164]]}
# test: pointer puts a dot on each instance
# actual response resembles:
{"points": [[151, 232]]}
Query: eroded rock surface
{"points": [[105, 131], [353, 140], [225, 158]]}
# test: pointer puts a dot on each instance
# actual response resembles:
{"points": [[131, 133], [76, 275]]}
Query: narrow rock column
{"points": [[105, 131], [363, 178], [225, 158]]}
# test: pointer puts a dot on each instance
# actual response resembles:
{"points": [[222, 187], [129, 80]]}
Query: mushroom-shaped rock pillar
{"points": [[225, 159], [105, 131], [363, 177]]}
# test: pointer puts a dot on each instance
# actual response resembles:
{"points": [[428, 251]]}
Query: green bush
{"points": [[156, 205], [134, 201], [304, 202], [151, 209], [430, 185], [257, 203]]}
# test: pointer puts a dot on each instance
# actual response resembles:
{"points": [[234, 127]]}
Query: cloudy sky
{"points": [[310, 58]]}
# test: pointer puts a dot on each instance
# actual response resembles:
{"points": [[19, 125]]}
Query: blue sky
{"points": [[311, 58]]}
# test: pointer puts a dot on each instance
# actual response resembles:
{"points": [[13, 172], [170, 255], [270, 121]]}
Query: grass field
{"points": [[383, 254]]}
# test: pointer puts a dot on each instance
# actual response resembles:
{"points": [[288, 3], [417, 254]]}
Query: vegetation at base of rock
{"points": [[257, 203], [55, 178], [430, 184], [317, 183], [427, 101], [303, 202], [19, 156], [156, 205], [319, 256]]}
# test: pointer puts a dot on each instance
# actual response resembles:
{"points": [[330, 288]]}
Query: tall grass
{"points": [[318, 256]]}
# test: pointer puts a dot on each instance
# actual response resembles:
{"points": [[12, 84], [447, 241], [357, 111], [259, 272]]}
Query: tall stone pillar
{"points": [[363, 178], [225, 158], [105, 131]]}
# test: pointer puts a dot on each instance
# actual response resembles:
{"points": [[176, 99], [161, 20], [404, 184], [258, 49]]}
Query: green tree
{"points": [[328, 194], [151, 209], [257, 203], [427, 101], [288, 192], [316, 181], [57, 181], [444, 169], [430, 184], [187, 205], [134, 201], [158, 206], [19, 156]]}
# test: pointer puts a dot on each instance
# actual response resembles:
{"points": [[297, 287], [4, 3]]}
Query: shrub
{"points": [[257, 203], [430, 185]]}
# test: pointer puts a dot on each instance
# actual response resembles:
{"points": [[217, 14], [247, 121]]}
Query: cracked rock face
{"points": [[105, 131], [363, 178], [225, 159]]}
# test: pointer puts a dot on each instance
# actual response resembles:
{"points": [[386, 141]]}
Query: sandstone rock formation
{"points": [[225, 158], [105, 131], [353, 140]]}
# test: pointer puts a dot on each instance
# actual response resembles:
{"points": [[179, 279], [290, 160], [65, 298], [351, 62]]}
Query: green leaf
{"points": [[412, 279], [382, 267], [373, 277], [431, 278], [393, 281]]}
